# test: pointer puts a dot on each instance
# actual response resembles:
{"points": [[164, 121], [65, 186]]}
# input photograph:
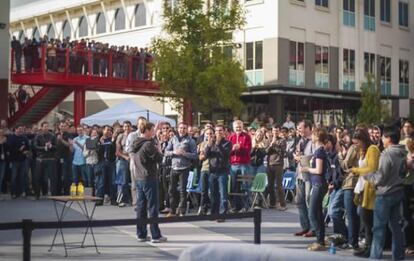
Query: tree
{"points": [[372, 110], [190, 58]]}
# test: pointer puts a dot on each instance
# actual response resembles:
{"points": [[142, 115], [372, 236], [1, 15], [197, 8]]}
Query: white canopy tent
{"points": [[125, 111]]}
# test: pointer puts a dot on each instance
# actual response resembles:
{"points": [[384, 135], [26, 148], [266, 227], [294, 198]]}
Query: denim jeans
{"points": [[218, 188], [45, 168], [316, 217], [301, 202], [105, 179], [351, 217], [258, 169], [240, 202], [178, 199], [147, 206], [78, 172], [2, 171], [123, 178], [18, 178], [90, 170], [204, 179], [336, 212], [387, 212]]}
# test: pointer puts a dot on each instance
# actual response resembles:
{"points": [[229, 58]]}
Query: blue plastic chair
{"points": [[289, 183]]}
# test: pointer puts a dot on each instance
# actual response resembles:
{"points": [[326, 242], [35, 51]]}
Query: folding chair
{"points": [[289, 184], [194, 187], [258, 188]]}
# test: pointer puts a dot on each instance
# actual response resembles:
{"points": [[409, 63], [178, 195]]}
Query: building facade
{"points": [[304, 57]]}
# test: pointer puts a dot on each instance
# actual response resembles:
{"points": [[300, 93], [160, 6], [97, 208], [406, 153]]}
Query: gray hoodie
{"points": [[389, 177]]}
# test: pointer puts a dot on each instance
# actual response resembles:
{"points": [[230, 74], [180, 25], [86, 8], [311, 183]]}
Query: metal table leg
{"points": [[60, 217], [89, 217]]}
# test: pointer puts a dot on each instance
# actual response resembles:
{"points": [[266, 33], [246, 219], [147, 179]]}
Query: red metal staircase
{"points": [[58, 84]]}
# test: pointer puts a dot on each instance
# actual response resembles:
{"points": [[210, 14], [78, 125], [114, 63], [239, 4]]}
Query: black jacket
{"points": [[39, 145], [148, 158], [219, 156], [106, 150]]}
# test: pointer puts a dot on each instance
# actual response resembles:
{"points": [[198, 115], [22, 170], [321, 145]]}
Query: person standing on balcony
{"points": [[45, 146], [27, 53], [17, 50]]}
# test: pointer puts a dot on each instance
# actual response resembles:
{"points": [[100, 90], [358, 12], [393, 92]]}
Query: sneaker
{"points": [[284, 208], [220, 220], [165, 210], [122, 204], [171, 215], [107, 200], [316, 247], [145, 239], [159, 240], [301, 233], [364, 252], [23, 194]]}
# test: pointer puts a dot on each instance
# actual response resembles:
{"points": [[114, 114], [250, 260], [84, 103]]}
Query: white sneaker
{"points": [[148, 238], [159, 240], [106, 199]]}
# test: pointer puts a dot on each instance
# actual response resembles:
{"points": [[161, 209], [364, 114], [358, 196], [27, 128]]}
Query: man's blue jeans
{"points": [[79, 171], [315, 211], [123, 178], [302, 205], [387, 212], [352, 217], [336, 212], [19, 176], [106, 179], [218, 189], [147, 206], [243, 201], [90, 170]]}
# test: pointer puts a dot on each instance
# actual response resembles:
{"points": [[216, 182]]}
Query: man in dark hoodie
{"points": [[217, 152], [145, 174], [388, 181]]}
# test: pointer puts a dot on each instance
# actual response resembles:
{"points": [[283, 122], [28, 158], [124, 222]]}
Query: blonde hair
{"points": [[260, 143]]}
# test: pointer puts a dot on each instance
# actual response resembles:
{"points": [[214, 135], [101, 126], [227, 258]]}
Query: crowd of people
{"points": [[360, 179], [86, 56]]}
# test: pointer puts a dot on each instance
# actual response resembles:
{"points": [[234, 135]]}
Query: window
{"points": [[297, 63], [66, 30], [83, 27], [100, 23], [50, 32], [140, 15], [323, 3], [404, 78], [403, 14], [119, 19], [254, 63], [349, 13], [385, 75], [322, 66], [349, 70], [386, 11], [36, 34], [369, 64], [369, 15]]}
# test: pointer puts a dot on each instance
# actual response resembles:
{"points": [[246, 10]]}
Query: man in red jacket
{"points": [[240, 164]]}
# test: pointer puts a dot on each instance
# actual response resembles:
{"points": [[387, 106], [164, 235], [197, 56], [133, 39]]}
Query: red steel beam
{"points": [[78, 105]]}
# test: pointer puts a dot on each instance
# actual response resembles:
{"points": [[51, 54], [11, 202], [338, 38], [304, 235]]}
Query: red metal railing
{"points": [[110, 63]]}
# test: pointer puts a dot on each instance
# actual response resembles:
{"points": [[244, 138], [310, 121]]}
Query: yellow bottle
{"points": [[73, 190], [81, 190]]}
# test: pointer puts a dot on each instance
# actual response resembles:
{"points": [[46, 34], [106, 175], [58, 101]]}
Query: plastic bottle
{"points": [[73, 190], [332, 249], [81, 190]]}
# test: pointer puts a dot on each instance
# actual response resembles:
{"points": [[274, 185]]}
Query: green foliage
{"points": [[190, 62], [372, 110]]}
